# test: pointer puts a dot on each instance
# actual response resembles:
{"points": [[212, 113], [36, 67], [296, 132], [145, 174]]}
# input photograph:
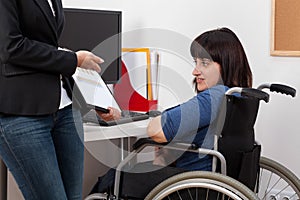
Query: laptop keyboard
{"points": [[126, 117], [128, 113]]}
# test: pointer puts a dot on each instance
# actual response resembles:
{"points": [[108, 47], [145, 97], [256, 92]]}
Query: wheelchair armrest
{"points": [[141, 143], [145, 141]]}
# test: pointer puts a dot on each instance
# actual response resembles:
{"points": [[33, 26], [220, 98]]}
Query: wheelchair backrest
{"points": [[239, 121], [237, 138]]}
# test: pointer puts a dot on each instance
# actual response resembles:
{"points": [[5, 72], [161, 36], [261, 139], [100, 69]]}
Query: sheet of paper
{"points": [[93, 88], [137, 63]]}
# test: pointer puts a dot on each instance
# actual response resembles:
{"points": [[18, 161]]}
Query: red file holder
{"points": [[128, 98]]}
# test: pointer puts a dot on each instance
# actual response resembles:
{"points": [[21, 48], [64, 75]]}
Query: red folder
{"points": [[128, 98]]}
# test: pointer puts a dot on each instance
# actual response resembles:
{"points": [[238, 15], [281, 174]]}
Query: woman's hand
{"points": [[88, 60], [114, 114]]}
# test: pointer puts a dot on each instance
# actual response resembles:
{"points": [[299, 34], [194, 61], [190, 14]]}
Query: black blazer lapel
{"points": [[45, 7], [57, 4], [57, 9]]}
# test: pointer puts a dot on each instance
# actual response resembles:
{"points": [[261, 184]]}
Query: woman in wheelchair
{"points": [[220, 63]]}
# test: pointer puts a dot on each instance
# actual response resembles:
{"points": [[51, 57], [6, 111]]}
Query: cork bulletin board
{"points": [[285, 33]]}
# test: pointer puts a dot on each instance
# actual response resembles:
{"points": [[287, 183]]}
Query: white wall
{"points": [[277, 127]]}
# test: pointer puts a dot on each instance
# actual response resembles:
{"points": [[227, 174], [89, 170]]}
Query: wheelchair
{"points": [[238, 169]]}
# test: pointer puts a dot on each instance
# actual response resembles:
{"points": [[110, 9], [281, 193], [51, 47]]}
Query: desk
{"points": [[94, 132]]}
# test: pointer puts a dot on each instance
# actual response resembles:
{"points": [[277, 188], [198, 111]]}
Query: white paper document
{"points": [[93, 89]]}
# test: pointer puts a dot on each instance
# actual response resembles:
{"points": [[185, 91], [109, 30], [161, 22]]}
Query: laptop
{"points": [[98, 97]]}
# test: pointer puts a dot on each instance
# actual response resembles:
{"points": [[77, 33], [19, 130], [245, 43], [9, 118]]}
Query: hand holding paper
{"points": [[88, 60], [94, 90]]}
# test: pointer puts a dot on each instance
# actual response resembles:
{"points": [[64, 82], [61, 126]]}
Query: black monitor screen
{"points": [[98, 31]]}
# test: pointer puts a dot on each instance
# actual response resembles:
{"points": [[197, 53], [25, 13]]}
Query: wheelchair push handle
{"points": [[284, 89], [249, 92], [279, 88]]}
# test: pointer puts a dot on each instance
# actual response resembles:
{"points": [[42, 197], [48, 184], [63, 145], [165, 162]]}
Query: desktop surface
{"points": [[94, 132]]}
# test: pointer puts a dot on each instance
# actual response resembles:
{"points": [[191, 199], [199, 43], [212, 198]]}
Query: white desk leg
{"points": [[3, 181], [128, 147], [122, 149]]}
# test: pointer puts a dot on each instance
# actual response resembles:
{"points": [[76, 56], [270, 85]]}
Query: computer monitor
{"points": [[98, 31]]}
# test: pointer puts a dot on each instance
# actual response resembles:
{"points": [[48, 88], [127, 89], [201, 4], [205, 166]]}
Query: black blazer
{"points": [[30, 63]]}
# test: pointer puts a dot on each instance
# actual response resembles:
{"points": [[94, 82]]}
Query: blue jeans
{"points": [[44, 154]]}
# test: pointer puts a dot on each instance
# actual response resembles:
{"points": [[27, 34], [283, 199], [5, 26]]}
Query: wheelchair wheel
{"points": [[200, 185], [276, 181]]}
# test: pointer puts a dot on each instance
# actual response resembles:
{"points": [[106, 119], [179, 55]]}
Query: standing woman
{"points": [[40, 131]]}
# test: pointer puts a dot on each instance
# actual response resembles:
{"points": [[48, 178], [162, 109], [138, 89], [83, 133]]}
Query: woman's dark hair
{"points": [[223, 46]]}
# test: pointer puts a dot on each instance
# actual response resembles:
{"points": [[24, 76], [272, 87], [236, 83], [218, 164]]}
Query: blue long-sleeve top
{"points": [[190, 122]]}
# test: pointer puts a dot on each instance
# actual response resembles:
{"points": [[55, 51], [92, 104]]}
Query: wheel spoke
{"points": [[277, 180]]}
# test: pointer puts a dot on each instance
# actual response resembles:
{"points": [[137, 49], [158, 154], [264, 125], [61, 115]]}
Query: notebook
{"points": [[98, 97]]}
